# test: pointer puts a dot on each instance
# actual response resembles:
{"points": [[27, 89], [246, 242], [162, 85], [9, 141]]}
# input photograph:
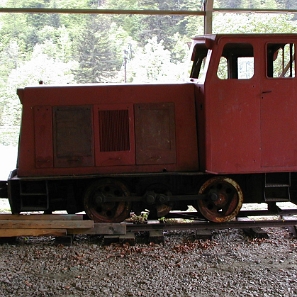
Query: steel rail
{"points": [[242, 213], [212, 226]]}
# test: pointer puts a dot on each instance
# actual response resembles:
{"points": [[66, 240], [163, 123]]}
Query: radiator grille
{"points": [[114, 130]]}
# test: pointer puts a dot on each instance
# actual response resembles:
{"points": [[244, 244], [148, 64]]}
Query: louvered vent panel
{"points": [[114, 130]]}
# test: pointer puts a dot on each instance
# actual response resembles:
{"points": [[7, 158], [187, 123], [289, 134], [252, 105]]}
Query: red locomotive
{"points": [[226, 137]]}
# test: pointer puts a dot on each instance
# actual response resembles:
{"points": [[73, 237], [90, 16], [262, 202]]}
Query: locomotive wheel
{"points": [[97, 206], [224, 199]]}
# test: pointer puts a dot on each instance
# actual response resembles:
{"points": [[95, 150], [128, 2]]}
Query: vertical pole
{"points": [[125, 65], [208, 8], [125, 69]]}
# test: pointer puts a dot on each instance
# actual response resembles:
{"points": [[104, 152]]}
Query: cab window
{"points": [[280, 60], [236, 62]]}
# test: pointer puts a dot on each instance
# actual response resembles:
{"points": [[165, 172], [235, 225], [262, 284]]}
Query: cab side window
{"points": [[280, 60], [236, 62]]}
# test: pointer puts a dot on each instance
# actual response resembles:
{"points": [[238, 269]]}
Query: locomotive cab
{"points": [[247, 96]]}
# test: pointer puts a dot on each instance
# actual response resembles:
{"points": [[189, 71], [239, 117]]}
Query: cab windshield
{"points": [[199, 55]]}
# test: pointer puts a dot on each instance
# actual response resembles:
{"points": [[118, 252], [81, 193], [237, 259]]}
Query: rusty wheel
{"points": [[98, 205], [223, 199]]}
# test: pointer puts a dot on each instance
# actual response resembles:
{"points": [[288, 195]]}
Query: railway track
{"points": [[63, 226]]}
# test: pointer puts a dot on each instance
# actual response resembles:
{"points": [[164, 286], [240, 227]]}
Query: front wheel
{"points": [[100, 201]]}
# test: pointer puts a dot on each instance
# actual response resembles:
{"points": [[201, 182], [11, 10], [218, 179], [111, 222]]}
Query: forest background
{"points": [[95, 48]]}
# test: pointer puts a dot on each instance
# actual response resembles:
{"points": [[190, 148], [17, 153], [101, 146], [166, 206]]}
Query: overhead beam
{"points": [[208, 7], [101, 11], [229, 10]]}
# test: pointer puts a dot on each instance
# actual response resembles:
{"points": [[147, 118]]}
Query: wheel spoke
{"points": [[230, 205]]}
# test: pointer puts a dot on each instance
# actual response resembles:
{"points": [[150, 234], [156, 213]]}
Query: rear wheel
{"points": [[223, 199]]}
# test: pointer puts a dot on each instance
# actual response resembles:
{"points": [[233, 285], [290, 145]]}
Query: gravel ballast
{"points": [[229, 265]]}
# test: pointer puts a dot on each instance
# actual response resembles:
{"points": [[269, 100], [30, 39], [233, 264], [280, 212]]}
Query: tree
{"points": [[99, 56], [40, 67], [248, 4], [152, 64], [254, 23]]}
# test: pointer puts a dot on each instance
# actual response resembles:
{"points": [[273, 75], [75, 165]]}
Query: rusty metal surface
{"points": [[115, 145], [73, 136], [223, 199], [155, 133], [98, 205]]}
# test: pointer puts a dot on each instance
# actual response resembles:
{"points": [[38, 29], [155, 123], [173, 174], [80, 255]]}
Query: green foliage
{"points": [[139, 219], [151, 64], [99, 56], [254, 23], [248, 4]]}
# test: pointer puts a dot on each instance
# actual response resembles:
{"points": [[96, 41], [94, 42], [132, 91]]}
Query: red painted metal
{"points": [[248, 125], [43, 136], [236, 125], [84, 127]]}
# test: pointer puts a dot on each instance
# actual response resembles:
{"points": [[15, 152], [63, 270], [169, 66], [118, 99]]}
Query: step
{"points": [[277, 194]]}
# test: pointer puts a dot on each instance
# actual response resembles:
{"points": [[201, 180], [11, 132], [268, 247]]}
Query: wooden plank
{"points": [[102, 229], [203, 234], [35, 224], [292, 231], [64, 240], [32, 232], [109, 239], [255, 232], [156, 236], [59, 217], [129, 238]]}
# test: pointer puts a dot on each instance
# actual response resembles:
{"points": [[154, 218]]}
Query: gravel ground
{"points": [[229, 265]]}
